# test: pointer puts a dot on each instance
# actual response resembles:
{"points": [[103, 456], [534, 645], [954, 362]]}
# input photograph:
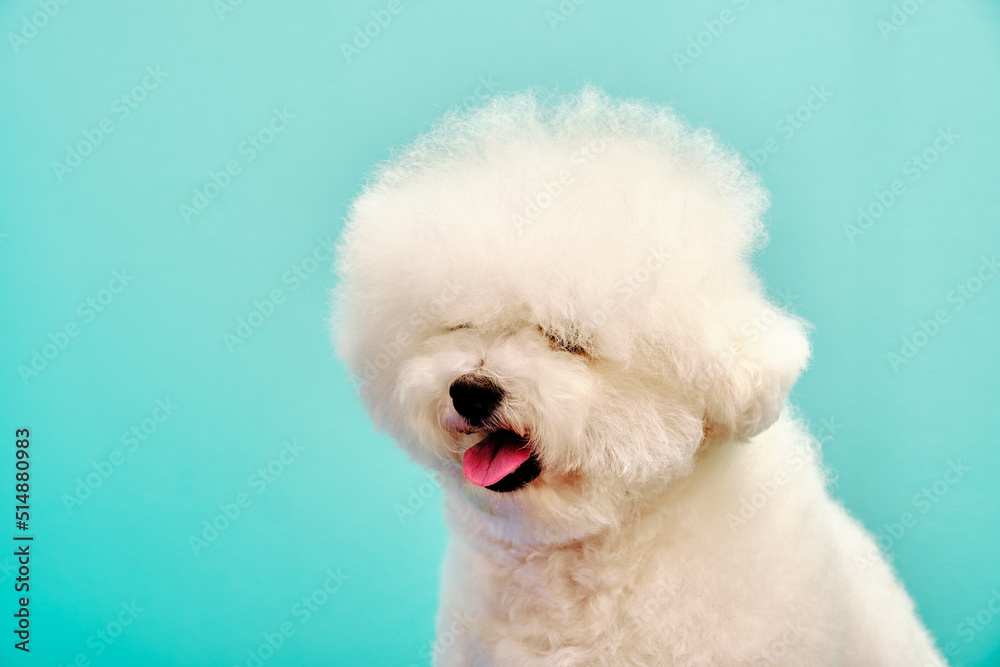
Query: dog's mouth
{"points": [[502, 461]]}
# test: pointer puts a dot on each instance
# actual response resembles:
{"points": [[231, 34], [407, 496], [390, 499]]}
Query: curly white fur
{"points": [[591, 258]]}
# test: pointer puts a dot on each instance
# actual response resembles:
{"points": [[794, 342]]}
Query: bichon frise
{"points": [[550, 303]]}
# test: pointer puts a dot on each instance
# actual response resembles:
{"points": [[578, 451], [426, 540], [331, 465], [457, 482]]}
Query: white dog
{"points": [[550, 302]]}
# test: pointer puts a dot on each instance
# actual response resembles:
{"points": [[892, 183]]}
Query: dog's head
{"points": [[552, 304]]}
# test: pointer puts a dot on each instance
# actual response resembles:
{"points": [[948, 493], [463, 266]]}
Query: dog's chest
{"points": [[569, 608], [672, 604]]}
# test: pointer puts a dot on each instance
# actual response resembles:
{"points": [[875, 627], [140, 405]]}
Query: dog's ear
{"points": [[754, 361]]}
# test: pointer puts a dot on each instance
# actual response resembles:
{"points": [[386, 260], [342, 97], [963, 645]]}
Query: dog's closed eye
{"points": [[562, 343]]}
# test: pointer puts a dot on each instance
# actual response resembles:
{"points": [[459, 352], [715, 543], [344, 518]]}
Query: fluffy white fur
{"points": [[591, 257]]}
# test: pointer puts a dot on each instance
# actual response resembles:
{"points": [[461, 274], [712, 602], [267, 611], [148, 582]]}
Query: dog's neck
{"points": [[495, 584], [687, 504]]}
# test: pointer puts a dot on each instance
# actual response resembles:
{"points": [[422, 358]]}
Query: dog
{"points": [[549, 301]]}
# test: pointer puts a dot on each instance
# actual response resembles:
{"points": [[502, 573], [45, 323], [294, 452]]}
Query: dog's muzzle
{"points": [[504, 459]]}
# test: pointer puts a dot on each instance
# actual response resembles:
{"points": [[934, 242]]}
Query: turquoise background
{"points": [[335, 506]]}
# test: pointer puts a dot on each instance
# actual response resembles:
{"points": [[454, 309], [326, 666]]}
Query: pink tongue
{"points": [[497, 456]]}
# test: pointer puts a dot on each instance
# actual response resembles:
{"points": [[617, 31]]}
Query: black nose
{"points": [[475, 398]]}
